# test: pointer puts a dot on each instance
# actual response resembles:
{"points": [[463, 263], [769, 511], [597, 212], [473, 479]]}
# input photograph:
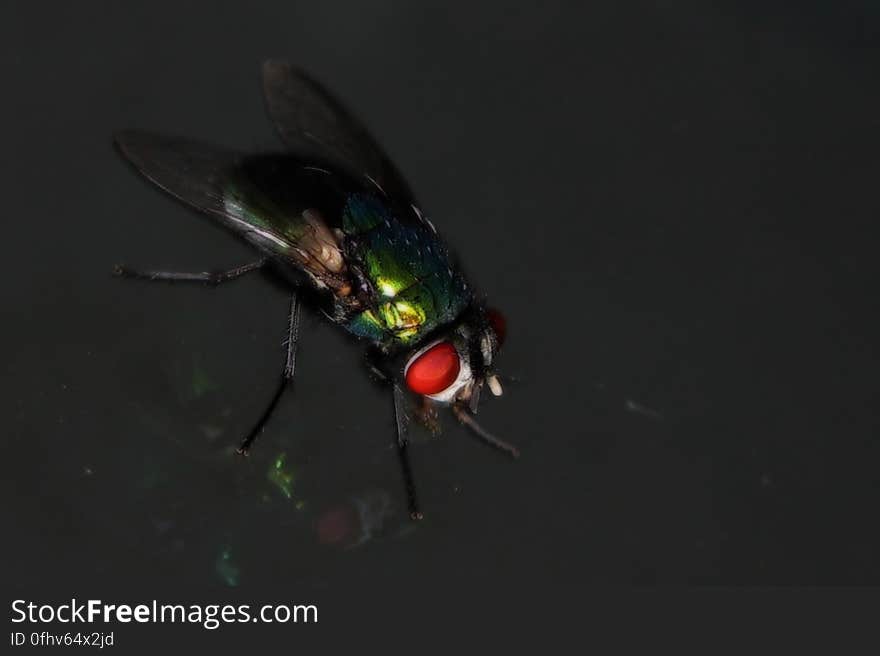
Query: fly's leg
{"points": [[400, 420], [206, 277], [286, 376], [373, 360], [462, 414]]}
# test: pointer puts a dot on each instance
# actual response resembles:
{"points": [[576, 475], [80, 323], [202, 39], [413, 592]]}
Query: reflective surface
{"points": [[675, 209]]}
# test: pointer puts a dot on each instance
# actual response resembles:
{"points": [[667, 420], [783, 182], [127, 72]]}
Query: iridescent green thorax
{"points": [[418, 287], [388, 275]]}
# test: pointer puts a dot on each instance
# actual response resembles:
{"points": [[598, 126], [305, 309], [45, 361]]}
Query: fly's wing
{"points": [[190, 171], [211, 180], [311, 121], [397, 250]]}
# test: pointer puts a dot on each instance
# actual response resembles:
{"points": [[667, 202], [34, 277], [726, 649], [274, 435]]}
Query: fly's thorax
{"points": [[412, 283]]}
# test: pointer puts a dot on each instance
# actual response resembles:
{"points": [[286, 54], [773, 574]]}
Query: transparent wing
{"points": [[311, 121], [213, 180], [191, 171]]}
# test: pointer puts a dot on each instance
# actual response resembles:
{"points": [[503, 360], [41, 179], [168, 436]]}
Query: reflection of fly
{"points": [[337, 222]]}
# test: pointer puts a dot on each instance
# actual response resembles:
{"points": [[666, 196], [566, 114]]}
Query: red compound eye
{"points": [[498, 323], [434, 370]]}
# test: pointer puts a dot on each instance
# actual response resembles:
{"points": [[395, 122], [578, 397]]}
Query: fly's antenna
{"points": [[465, 418]]}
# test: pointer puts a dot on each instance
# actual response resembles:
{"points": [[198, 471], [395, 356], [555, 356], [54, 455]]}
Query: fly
{"points": [[332, 217]]}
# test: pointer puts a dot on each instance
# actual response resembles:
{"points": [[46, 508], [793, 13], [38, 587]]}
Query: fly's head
{"points": [[453, 367]]}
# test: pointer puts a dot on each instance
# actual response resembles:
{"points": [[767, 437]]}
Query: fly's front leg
{"points": [[401, 419], [286, 376], [385, 376], [378, 370], [206, 277], [461, 413]]}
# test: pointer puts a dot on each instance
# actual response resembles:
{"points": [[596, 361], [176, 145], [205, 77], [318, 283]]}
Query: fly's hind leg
{"points": [[286, 376], [206, 277]]}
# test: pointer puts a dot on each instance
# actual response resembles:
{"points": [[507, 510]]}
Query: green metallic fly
{"points": [[333, 218]]}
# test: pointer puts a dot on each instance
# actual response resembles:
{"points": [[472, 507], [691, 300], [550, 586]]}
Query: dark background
{"points": [[675, 204]]}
